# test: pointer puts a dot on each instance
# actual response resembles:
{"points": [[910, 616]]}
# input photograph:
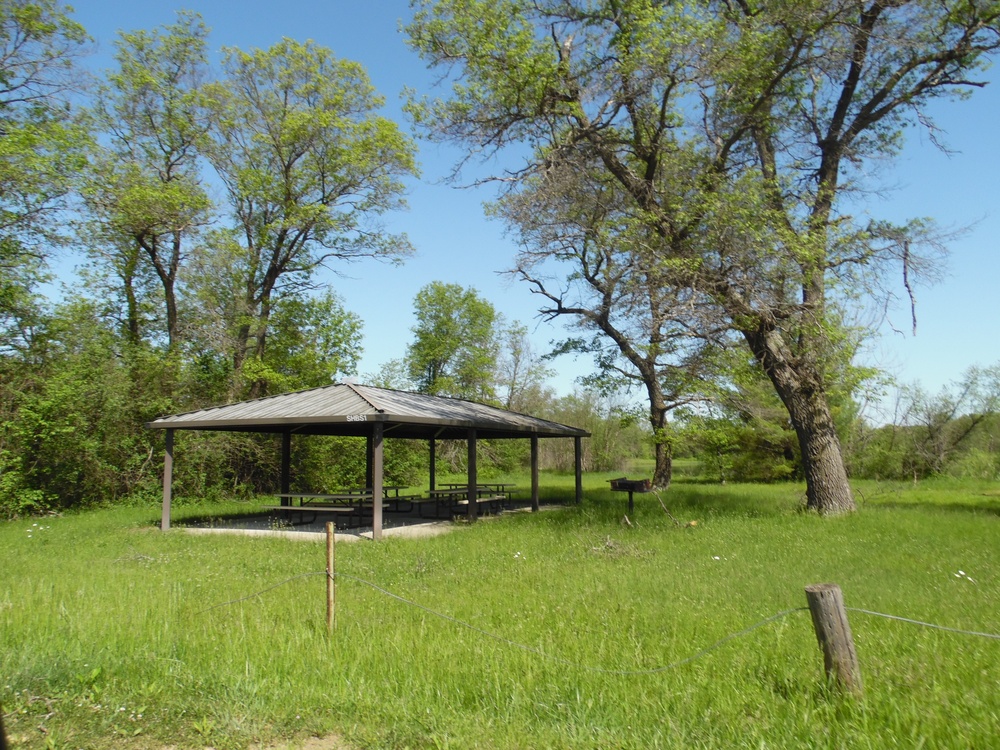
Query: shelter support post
{"points": [[375, 469], [534, 473], [369, 461], [578, 460], [473, 477], [168, 480], [433, 472], [286, 466]]}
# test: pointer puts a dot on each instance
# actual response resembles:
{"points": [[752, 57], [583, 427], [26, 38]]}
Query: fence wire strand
{"points": [[585, 667], [924, 624], [261, 592]]}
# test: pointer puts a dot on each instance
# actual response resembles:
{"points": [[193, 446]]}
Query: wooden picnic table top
{"points": [[315, 508], [498, 485], [336, 496]]}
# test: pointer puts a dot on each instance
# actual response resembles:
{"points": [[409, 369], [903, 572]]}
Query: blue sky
{"points": [[957, 319]]}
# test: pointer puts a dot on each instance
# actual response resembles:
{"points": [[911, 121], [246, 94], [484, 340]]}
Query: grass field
{"points": [[115, 635]]}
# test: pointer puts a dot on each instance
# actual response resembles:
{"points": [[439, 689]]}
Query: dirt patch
{"points": [[330, 742]]}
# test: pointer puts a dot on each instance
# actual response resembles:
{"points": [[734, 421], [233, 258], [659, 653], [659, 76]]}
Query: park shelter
{"points": [[350, 409]]}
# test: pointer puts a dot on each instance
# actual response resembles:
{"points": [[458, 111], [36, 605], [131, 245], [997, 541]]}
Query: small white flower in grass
{"points": [[716, 557]]}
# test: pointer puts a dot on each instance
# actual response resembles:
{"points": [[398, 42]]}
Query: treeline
{"points": [[73, 405], [954, 432]]}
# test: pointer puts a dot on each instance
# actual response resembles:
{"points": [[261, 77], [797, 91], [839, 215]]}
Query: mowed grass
{"points": [[113, 634]]}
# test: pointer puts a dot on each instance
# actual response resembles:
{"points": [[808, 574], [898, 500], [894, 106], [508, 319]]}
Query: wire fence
{"points": [[584, 667]]}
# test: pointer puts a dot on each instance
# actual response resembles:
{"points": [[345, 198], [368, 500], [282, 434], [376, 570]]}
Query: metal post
{"points": [[369, 461], [168, 480], [433, 472], [286, 466], [578, 460], [534, 473], [377, 465], [473, 477]]}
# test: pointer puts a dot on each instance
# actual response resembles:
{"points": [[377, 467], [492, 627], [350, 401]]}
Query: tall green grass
{"points": [[115, 635]]}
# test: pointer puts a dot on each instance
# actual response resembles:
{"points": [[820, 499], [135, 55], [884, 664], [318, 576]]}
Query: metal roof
{"points": [[349, 409]]}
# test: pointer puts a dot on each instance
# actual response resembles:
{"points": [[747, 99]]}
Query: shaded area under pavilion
{"points": [[353, 410]]}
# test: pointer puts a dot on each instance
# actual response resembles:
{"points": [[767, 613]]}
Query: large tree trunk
{"points": [[662, 450], [800, 387]]}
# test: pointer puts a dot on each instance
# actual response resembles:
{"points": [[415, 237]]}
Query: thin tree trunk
{"points": [[133, 326]]}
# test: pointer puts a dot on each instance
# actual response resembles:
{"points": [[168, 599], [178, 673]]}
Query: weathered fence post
{"points": [[826, 605]]}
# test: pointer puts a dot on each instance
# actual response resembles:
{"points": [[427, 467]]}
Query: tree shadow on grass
{"points": [[987, 508], [684, 502]]}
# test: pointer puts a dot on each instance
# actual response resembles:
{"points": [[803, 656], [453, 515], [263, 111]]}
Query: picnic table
{"points": [[455, 499], [497, 488], [348, 504]]}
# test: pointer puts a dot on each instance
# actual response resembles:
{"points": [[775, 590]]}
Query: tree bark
{"points": [[799, 385], [663, 455]]}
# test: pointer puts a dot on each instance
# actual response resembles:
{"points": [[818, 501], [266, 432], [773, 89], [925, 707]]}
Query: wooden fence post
{"points": [[331, 571], [826, 605]]}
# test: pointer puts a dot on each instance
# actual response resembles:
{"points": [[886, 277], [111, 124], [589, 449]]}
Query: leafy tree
{"points": [[455, 347], [732, 133], [308, 168], [636, 337], [313, 340], [40, 149], [521, 373], [143, 189]]}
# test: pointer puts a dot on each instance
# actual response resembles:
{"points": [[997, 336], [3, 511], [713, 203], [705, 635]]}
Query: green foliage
{"points": [[455, 347], [326, 463], [616, 437], [308, 166], [314, 339], [74, 430], [692, 163], [41, 150], [956, 431], [41, 145], [190, 304], [143, 193]]}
